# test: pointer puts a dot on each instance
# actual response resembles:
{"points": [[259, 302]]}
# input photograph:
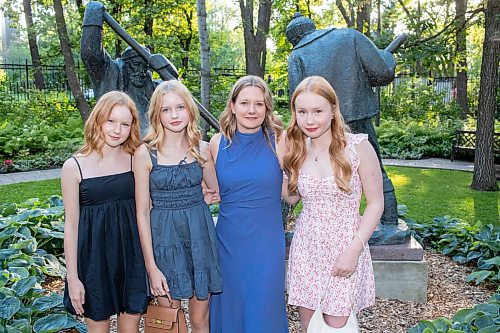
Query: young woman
{"points": [[176, 228], [105, 266], [249, 227], [329, 169]]}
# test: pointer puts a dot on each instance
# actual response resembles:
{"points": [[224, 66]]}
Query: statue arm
{"points": [[95, 58], [296, 72], [379, 64]]}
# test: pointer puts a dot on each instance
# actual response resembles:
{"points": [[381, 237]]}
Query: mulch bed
{"points": [[446, 294]]}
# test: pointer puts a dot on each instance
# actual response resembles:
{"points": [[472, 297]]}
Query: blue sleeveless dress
{"points": [[183, 231], [251, 239]]}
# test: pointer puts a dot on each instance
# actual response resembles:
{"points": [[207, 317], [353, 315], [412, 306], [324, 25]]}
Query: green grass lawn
{"points": [[426, 192], [21, 192]]}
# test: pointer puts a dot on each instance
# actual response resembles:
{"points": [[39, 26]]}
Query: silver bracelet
{"points": [[362, 241]]}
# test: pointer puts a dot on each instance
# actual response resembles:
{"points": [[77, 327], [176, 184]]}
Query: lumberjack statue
{"points": [[130, 72], [352, 64]]}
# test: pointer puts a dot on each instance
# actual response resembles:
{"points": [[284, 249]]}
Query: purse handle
{"points": [[169, 298]]}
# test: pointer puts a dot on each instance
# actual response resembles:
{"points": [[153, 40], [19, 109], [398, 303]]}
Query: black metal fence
{"points": [[17, 80]]}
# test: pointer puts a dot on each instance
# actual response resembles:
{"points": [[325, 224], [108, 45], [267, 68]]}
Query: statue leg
{"points": [[390, 215]]}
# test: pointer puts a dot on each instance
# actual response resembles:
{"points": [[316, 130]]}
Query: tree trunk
{"points": [[186, 42], [348, 19], [205, 61], [363, 17], [255, 38], [461, 83], [148, 22], [484, 167], [35, 55], [116, 9], [69, 63]]}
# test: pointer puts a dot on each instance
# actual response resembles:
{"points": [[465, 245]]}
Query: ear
{"points": [[231, 106]]}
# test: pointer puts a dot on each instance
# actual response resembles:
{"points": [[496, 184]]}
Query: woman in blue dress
{"points": [[250, 231]]}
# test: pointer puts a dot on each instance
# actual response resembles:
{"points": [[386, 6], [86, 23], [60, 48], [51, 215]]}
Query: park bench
{"points": [[465, 141]]}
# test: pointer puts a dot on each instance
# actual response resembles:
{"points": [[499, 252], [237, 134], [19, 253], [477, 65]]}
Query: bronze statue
{"points": [[129, 73], [352, 64]]}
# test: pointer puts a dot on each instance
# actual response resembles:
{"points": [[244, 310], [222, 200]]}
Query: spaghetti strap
{"points": [[131, 162], [78, 164]]}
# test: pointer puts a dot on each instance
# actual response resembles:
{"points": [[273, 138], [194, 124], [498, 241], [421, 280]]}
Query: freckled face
{"points": [[117, 128], [174, 114], [249, 109], [313, 113]]}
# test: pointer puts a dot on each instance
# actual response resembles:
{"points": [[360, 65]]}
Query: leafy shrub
{"points": [[408, 139], [413, 99], [31, 237], [482, 318], [478, 245], [40, 132]]}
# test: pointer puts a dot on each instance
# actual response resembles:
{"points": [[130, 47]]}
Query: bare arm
{"points": [[282, 149], [209, 176], [371, 180], [70, 180], [142, 169], [214, 146]]}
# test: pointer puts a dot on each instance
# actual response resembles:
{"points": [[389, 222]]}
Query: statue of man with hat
{"points": [[352, 64], [129, 73]]}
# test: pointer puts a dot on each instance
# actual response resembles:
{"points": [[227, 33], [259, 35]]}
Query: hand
{"points": [[76, 295], [158, 283], [210, 196], [346, 264], [94, 14]]}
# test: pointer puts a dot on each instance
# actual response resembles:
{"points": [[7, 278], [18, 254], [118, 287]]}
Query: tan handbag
{"points": [[162, 319]]}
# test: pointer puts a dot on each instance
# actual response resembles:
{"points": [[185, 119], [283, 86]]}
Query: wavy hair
{"points": [[272, 124], [94, 138], [296, 154], [155, 137]]}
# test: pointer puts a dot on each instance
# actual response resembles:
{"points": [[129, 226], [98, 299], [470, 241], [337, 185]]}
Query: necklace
{"points": [[317, 155]]}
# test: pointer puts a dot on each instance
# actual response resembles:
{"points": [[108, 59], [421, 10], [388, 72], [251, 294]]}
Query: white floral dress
{"points": [[324, 229]]}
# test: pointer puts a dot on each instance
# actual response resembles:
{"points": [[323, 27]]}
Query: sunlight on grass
{"points": [[399, 180]]}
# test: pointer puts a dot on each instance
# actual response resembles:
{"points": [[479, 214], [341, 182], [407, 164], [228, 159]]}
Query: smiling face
{"points": [[116, 128], [174, 113], [249, 109], [313, 113]]}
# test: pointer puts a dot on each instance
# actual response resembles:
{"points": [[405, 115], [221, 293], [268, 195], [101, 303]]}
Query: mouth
{"points": [[175, 123], [311, 129], [115, 138]]}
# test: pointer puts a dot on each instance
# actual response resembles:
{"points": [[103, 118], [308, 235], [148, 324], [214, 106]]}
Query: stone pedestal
{"points": [[400, 271], [389, 234]]}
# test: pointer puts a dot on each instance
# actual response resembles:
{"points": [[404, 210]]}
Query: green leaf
{"points": [[45, 303], [490, 329], [52, 266], [464, 316], [9, 209], [478, 276], [54, 323], [492, 309], [23, 325], [29, 245], [493, 261], [21, 287], [484, 321], [8, 253], [9, 306], [19, 273]]}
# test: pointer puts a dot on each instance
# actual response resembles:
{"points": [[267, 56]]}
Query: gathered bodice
{"points": [[175, 186]]}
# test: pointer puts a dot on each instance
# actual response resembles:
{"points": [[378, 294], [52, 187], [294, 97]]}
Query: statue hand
{"points": [[94, 14]]}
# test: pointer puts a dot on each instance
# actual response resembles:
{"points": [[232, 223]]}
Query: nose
{"points": [[117, 128], [252, 108], [174, 114], [309, 119]]}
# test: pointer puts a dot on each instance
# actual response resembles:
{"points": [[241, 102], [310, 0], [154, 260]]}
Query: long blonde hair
{"points": [[271, 124], [94, 139], [155, 136], [296, 154]]}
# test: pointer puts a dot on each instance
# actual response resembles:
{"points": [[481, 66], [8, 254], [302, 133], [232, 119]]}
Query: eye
{"points": [[126, 125], [260, 104], [181, 107], [111, 121], [165, 110], [243, 102], [319, 111]]}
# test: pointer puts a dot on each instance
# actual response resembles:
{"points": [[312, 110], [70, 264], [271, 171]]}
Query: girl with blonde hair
{"points": [[249, 228], [329, 169], [175, 225], [105, 266]]}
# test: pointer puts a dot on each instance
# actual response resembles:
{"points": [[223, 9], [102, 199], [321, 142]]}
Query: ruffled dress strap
{"points": [[352, 141], [154, 157]]}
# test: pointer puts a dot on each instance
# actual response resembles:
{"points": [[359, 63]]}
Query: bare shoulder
{"points": [[366, 153], [141, 151], [70, 169], [215, 140]]}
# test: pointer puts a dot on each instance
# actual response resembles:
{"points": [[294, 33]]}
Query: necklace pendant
{"points": [[316, 159]]}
